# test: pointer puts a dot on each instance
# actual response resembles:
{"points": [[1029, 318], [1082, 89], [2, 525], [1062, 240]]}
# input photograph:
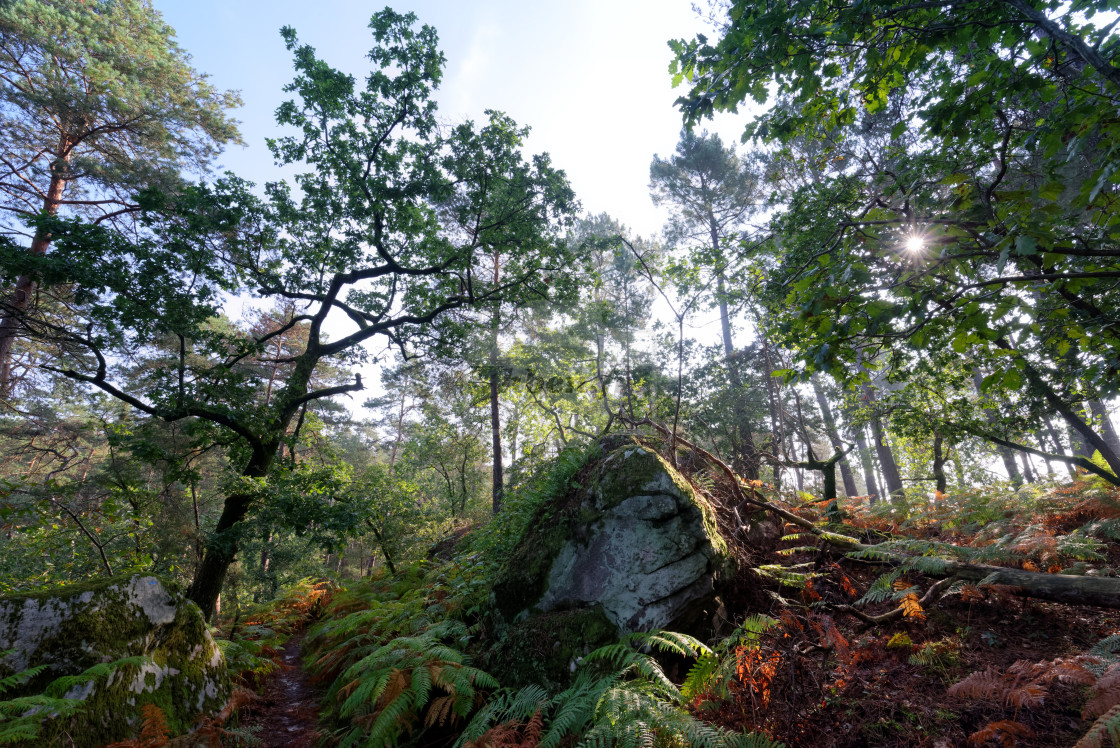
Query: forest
{"points": [[829, 460]]}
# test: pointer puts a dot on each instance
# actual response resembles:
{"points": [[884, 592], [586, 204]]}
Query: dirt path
{"points": [[288, 711]]}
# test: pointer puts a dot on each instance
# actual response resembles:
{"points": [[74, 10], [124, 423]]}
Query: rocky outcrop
{"points": [[73, 628], [635, 541]]}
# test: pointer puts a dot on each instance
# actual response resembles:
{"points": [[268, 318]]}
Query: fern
{"points": [[714, 670], [18, 679], [939, 656], [394, 688], [758, 740], [61, 686], [1106, 726], [788, 576], [882, 589], [620, 697], [22, 717], [1022, 686]]}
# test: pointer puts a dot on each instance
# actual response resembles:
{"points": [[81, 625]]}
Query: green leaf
{"points": [[1025, 245]]}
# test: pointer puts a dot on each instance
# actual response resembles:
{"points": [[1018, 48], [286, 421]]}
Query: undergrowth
{"points": [[22, 718], [396, 659]]}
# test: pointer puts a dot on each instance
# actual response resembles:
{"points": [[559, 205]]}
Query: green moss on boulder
{"points": [[546, 648], [70, 629], [636, 542]]}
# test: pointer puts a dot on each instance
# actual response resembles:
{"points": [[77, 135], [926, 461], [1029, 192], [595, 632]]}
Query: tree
{"points": [[97, 103], [984, 221], [370, 238], [711, 193], [834, 439], [508, 249]]}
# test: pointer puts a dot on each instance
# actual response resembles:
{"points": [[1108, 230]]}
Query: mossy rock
{"points": [[71, 629], [547, 648], [636, 541]]}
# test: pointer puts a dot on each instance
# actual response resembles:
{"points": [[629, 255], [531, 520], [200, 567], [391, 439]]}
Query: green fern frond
{"points": [[931, 565], [758, 740], [788, 576], [1107, 529], [700, 676], [882, 589], [793, 537], [1080, 546], [60, 686], [18, 679]]}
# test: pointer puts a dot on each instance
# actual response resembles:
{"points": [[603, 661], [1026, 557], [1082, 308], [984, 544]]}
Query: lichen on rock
{"points": [[70, 629], [636, 542]]}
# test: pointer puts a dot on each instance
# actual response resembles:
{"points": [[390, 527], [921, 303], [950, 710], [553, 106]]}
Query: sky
{"points": [[590, 77]]}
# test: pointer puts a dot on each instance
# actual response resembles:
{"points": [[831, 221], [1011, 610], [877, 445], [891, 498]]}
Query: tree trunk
{"points": [[1028, 472], [400, 435], [20, 298], [774, 398], [266, 552], [221, 547], [1091, 439], [1077, 444], [891, 477], [498, 473], [939, 464], [1058, 448], [834, 437], [1108, 431], [866, 464], [496, 436], [1101, 592], [746, 453], [1005, 454], [886, 462]]}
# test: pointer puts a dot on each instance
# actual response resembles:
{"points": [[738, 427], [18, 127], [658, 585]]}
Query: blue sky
{"points": [[589, 77]]}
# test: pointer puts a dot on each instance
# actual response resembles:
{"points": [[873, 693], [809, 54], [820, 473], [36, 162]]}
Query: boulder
{"points": [[71, 629], [635, 541]]}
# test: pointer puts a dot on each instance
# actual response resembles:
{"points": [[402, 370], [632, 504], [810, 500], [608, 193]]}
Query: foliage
{"points": [[985, 230], [715, 670], [377, 232], [385, 693], [99, 93], [620, 697], [22, 717]]}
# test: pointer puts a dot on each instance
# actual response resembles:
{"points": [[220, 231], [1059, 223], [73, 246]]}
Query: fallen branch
{"points": [[933, 594]]}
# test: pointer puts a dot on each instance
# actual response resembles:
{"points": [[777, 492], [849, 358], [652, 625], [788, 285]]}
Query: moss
{"points": [[627, 470], [72, 589], [524, 579], [642, 466], [712, 528], [544, 648], [101, 622]]}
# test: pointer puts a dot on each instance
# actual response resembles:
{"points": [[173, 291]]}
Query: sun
{"points": [[915, 243]]}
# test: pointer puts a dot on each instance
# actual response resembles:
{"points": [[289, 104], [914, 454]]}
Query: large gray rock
{"points": [[70, 629], [636, 542]]}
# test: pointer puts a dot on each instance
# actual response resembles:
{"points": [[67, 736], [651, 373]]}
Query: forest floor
{"points": [[286, 714], [798, 659], [833, 682], [980, 666]]}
